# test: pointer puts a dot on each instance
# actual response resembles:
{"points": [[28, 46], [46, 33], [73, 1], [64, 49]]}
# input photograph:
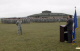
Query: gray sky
{"points": [[21, 8]]}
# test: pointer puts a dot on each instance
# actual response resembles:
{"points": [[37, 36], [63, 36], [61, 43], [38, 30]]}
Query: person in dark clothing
{"points": [[70, 28]]}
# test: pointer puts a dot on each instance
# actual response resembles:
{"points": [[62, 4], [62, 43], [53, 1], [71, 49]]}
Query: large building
{"points": [[48, 16], [45, 16]]}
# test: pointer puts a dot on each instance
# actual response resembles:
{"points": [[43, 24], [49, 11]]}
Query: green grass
{"points": [[36, 37]]}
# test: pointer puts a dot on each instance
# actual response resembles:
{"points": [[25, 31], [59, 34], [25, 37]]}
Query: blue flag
{"points": [[75, 26]]}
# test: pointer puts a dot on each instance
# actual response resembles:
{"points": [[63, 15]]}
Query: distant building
{"points": [[48, 16], [45, 16]]}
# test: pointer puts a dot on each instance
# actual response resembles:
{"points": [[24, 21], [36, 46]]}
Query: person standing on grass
{"points": [[18, 23], [70, 28]]}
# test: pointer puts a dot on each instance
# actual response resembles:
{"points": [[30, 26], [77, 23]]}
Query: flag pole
{"points": [[78, 47], [74, 30]]}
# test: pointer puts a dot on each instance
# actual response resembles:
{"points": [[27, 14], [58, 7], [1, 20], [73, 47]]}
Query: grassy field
{"points": [[36, 37]]}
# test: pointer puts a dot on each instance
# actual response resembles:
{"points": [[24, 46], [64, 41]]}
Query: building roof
{"points": [[48, 13]]}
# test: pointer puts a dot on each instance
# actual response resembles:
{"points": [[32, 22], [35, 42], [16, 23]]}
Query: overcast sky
{"points": [[22, 8]]}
